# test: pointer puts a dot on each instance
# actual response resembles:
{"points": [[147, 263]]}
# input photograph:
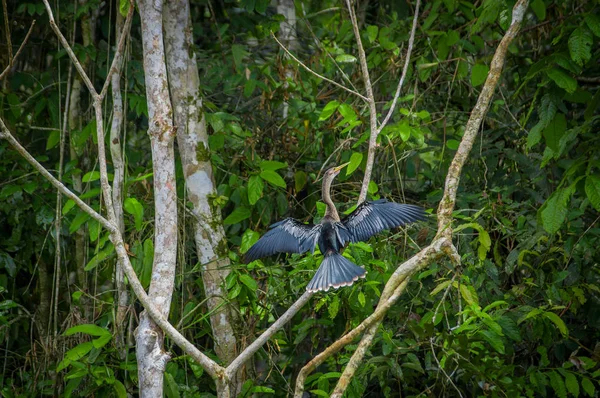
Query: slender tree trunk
{"points": [[151, 358], [117, 192], [192, 139]]}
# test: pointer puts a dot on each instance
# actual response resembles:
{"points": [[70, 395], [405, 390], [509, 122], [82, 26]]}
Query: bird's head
{"points": [[334, 171]]}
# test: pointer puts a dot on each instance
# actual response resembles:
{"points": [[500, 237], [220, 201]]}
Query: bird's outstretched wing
{"points": [[370, 218], [287, 236]]}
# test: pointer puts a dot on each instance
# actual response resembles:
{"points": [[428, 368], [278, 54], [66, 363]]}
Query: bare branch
{"points": [[266, 335], [115, 66], [12, 60], [316, 74], [7, 32], [411, 41], [69, 51], [362, 57], [375, 130]]}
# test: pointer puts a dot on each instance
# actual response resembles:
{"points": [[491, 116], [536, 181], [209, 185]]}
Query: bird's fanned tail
{"points": [[335, 271]]}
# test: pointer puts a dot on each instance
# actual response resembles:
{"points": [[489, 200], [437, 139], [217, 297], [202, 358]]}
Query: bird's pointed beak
{"points": [[340, 167]]}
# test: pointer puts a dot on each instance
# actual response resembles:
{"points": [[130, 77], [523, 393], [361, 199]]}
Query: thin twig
{"points": [[12, 60], [411, 41], [315, 73]]}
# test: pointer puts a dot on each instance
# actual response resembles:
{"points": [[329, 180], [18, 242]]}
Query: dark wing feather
{"points": [[371, 218], [287, 236]]}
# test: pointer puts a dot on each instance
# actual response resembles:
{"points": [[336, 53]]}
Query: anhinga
{"points": [[332, 234]]}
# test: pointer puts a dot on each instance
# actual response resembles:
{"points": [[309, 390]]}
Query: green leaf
{"points": [[328, 110], [239, 214], [249, 238], [238, 52], [300, 180], [135, 208], [361, 299], [539, 8], [509, 328], [76, 353], [90, 329], [557, 384], [345, 58], [372, 188], [333, 307], [255, 189], [78, 221], [558, 322], [273, 178], [272, 165], [102, 340], [452, 144], [440, 287], [554, 131], [479, 74], [593, 22], [580, 46], [355, 161], [572, 384], [535, 135], [91, 176], [466, 294], [588, 386], [119, 389], [562, 80], [592, 190], [53, 139], [99, 257], [249, 282], [347, 112], [493, 339], [554, 213], [372, 31]]}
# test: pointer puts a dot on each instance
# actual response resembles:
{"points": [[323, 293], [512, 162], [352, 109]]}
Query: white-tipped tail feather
{"points": [[335, 271]]}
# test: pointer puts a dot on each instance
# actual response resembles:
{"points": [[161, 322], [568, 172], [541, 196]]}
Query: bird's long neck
{"points": [[331, 211]]}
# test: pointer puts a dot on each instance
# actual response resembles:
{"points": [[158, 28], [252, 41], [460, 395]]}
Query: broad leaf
{"points": [[255, 189], [592, 190], [273, 178], [580, 45], [238, 215], [355, 161]]}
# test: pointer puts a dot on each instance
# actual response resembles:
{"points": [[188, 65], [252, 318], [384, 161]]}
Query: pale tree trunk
{"points": [[151, 357], [117, 193], [192, 138], [287, 36]]}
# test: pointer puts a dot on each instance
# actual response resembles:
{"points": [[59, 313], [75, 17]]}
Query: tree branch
{"points": [[375, 130], [318, 75], [266, 335], [12, 60]]}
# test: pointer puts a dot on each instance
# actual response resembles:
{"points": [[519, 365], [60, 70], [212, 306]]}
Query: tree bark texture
{"points": [[117, 193], [192, 138], [150, 355]]}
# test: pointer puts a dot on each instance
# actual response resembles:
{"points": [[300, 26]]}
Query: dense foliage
{"points": [[520, 317]]}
